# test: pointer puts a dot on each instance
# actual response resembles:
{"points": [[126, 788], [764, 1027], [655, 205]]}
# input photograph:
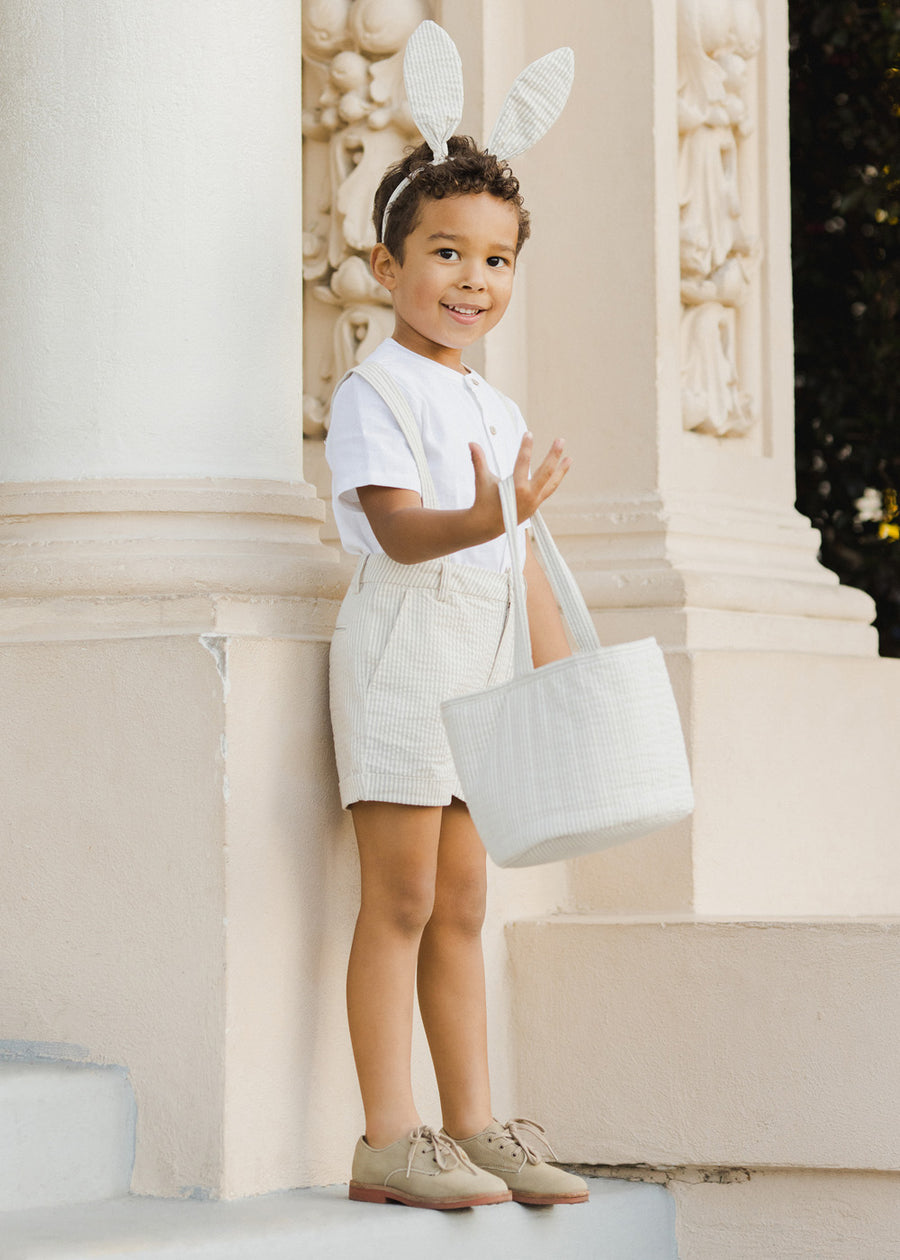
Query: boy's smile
{"points": [[455, 281]]}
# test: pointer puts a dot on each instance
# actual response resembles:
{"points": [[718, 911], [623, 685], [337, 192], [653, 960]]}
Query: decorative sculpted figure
{"points": [[355, 123], [717, 41]]}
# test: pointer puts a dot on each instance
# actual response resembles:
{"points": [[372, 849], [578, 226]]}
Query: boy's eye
{"points": [[447, 253], [496, 261]]}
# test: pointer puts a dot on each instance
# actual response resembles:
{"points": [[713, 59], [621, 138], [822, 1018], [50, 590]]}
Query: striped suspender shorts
{"points": [[409, 636]]}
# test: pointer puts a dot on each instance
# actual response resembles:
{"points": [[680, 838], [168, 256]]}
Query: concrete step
{"points": [[622, 1221], [788, 1059], [66, 1134]]}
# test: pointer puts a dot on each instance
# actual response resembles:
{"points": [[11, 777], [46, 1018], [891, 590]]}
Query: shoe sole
{"points": [[549, 1200], [384, 1194]]}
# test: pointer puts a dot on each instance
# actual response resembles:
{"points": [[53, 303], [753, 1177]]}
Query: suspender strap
{"points": [[393, 396]]}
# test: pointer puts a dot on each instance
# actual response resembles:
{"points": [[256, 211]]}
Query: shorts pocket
{"points": [[403, 699], [388, 614]]}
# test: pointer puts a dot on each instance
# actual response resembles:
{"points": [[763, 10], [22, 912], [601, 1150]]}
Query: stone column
{"points": [[150, 364], [165, 601], [662, 343]]}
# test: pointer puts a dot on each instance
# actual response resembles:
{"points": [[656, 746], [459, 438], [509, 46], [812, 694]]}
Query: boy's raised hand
{"points": [[410, 533], [531, 491]]}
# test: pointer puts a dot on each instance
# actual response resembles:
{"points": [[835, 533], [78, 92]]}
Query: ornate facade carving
{"points": [[355, 123], [717, 42]]}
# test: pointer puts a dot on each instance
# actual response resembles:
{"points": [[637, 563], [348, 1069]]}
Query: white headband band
{"points": [[432, 72]]}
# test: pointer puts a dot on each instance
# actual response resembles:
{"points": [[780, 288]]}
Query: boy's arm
{"points": [[410, 533], [548, 636]]}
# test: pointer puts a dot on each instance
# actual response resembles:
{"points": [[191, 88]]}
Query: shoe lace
{"points": [[530, 1138], [447, 1154]]}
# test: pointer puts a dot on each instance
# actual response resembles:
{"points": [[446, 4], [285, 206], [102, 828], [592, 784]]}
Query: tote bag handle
{"points": [[562, 583]]}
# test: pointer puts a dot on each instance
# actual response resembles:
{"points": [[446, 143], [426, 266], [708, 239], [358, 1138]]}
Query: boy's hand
{"points": [[530, 491]]}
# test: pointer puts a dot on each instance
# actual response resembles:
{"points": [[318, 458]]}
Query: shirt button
{"points": [[494, 430]]}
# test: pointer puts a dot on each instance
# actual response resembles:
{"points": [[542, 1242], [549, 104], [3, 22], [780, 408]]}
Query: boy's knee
{"points": [[461, 908], [405, 908]]}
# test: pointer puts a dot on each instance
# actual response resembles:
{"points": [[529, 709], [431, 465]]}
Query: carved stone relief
{"points": [[355, 123], [717, 42]]}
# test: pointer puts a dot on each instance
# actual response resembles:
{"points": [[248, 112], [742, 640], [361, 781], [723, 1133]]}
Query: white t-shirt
{"points": [[366, 447]]}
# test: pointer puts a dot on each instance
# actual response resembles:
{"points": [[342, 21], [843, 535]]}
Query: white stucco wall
{"points": [[150, 209]]}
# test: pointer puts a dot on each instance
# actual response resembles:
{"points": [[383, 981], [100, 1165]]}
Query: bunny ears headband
{"points": [[432, 72]]}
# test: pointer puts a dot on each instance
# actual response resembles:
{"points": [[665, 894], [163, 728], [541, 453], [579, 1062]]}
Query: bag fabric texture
{"points": [[577, 755]]}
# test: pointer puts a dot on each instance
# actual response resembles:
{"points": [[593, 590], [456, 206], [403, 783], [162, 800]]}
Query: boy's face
{"points": [[455, 281]]}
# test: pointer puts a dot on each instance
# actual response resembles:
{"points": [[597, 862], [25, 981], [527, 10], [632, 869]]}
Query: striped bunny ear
{"points": [[432, 72], [534, 103]]}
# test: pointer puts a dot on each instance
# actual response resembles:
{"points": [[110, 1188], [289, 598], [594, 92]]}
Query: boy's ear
{"points": [[384, 266]]}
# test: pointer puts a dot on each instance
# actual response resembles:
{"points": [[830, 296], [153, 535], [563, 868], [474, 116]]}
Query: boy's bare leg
{"points": [[451, 977], [398, 848]]}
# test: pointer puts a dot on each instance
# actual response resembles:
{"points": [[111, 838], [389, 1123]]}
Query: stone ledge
{"points": [[707, 571], [163, 537], [621, 1222], [791, 1214], [64, 618], [66, 1133], [89, 495]]}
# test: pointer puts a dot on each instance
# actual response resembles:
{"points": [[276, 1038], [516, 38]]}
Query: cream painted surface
{"points": [[592, 323], [799, 817], [151, 209], [692, 1042], [190, 849], [171, 809], [790, 1215], [513, 895], [114, 894], [290, 1109]]}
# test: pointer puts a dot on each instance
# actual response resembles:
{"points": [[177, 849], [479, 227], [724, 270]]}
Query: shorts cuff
{"points": [[399, 789]]}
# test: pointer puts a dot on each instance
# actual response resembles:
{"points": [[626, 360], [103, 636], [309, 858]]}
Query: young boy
{"points": [[427, 616]]}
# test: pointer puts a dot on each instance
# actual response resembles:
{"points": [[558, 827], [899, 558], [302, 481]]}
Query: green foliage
{"points": [[845, 155]]}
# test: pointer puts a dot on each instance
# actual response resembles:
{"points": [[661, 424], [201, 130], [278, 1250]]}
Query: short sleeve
{"points": [[365, 445]]}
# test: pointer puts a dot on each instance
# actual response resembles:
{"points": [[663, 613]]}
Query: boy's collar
{"points": [[470, 375]]}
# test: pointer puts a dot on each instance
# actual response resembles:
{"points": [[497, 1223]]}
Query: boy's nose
{"points": [[473, 279]]}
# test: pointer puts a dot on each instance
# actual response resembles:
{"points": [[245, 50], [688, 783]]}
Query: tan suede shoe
{"points": [[509, 1151], [426, 1169]]}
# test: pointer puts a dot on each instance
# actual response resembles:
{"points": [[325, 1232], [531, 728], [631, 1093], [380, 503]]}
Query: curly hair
{"points": [[468, 169]]}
